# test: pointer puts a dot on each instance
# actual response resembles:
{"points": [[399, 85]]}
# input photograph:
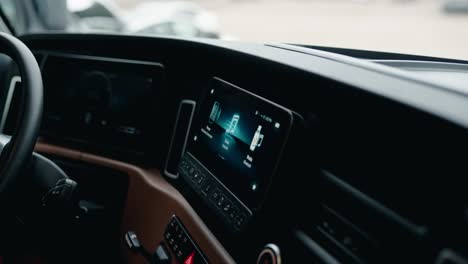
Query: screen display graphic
{"points": [[239, 139]]}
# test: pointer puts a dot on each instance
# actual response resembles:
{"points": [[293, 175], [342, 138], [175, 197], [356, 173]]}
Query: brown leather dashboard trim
{"points": [[151, 201]]}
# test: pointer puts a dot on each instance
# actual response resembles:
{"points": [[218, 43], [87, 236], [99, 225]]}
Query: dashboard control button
{"points": [[221, 200], [215, 196], [187, 165], [227, 206], [200, 179], [207, 187], [191, 171], [196, 175], [233, 213], [183, 165], [240, 220]]}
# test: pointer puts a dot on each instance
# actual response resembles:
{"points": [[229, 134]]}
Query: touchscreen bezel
{"points": [[256, 201]]}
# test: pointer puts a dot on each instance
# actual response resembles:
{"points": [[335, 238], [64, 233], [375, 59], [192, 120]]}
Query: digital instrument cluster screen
{"points": [[100, 101], [239, 138]]}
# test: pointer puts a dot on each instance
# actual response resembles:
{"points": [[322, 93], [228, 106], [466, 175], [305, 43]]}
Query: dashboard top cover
{"points": [[369, 142]]}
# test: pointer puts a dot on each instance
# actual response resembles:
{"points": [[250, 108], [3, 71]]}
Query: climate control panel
{"points": [[232, 211]]}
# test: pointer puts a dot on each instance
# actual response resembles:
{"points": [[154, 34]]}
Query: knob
{"points": [[269, 255]]}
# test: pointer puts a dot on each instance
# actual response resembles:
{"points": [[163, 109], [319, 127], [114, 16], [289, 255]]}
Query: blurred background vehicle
{"points": [[456, 6], [178, 18], [423, 27], [97, 15], [175, 18]]}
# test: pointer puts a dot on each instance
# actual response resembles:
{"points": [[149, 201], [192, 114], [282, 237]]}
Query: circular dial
{"points": [[269, 255]]}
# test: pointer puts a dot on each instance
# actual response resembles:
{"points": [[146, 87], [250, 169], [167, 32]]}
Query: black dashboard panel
{"points": [[371, 174], [99, 103]]}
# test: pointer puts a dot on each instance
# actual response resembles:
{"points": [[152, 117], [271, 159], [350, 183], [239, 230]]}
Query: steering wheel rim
{"points": [[15, 154]]}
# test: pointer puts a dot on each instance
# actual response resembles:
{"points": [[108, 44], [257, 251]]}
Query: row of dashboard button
{"points": [[218, 198], [193, 173], [179, 242], [177, 239], [228, 208]]}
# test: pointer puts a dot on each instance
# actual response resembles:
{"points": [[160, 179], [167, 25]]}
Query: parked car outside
{"points": [[176, 18]]}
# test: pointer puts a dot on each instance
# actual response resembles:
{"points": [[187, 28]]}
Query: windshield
{"points": [[421, 27]]}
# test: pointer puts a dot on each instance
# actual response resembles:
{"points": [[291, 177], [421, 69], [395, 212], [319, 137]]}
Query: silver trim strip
{"points": [[52, 54], [316, 249], [6, 109], [273, 250], [187, 133], [447, 255]]}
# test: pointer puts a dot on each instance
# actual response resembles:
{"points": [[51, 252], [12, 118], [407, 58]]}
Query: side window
{"points": [[12, 11], [9, 8]]}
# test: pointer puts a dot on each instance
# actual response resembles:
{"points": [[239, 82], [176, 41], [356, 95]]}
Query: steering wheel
{"points": [[16, 151]]}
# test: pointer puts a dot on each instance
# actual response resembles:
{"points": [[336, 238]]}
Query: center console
{"points": [[233, 151]]}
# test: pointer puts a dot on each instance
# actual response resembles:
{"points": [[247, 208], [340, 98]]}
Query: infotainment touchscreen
{"points": [[239, 138]]}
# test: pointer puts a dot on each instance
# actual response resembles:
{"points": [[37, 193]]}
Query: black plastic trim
{"points": [[374, 205]]}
